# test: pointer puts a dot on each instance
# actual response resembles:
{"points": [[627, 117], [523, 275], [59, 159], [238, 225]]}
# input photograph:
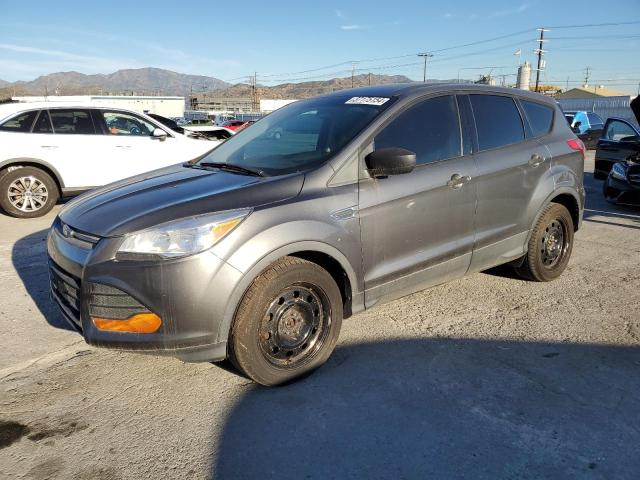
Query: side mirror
{"points": [[390, 161], [159, 133]]}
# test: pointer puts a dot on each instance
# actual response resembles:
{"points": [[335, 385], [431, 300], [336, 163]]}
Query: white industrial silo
{"points": [[524, 76]]}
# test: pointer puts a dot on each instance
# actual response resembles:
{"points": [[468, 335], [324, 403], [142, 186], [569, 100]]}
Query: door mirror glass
{"points": [[390, 161], [159, 133]]}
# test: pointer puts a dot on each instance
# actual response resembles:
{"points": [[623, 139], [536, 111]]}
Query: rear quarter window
{"points": [[19, 123], [498, 121], [540, 117]]}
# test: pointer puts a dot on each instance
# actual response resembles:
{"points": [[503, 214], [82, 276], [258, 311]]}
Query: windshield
{"points": [[300, 136]]}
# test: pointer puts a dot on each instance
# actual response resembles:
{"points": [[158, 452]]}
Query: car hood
{"points": [[171, 193]]}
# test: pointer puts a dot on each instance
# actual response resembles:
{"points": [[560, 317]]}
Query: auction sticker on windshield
{"points": [[367, 101]]}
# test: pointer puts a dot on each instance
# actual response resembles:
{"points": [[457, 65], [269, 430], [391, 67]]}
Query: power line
{"points": [[597, 37], [612, 24], [284, 76]]}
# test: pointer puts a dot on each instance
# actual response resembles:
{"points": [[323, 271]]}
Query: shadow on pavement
{"points": [[443, 408], [29, 257]]}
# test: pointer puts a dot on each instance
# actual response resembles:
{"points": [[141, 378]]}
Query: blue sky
{"points": [[295, 40]]}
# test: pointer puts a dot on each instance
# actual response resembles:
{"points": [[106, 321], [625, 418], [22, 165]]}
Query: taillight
{"points": [[577, 145]]}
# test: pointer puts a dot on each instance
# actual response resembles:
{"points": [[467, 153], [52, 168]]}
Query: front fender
{"points": [[262, 259]]}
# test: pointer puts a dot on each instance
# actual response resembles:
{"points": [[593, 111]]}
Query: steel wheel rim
{"points": [[554, 244], [295, 326], [28, 194]]}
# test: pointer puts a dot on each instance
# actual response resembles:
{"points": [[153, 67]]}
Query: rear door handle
{"points": [[48, 146], [458, 181], [123, 146], [536, 160]]}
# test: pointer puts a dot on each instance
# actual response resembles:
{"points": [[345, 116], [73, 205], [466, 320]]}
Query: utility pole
{"points": [[369, 78], [587, 74], [425, 55], [540, 52]]}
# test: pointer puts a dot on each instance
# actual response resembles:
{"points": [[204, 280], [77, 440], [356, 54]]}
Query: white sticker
{"points": [[367, 101]]}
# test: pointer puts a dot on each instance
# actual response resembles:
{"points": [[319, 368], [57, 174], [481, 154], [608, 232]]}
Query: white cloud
{"points": [[354, 26], [511, 11], [340, 14]]}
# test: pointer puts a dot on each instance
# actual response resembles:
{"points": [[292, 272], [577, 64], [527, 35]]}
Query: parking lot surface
{"points": [[485, 377]]}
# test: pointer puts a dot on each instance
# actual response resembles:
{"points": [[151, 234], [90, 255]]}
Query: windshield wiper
{"points": [[228, 167]]}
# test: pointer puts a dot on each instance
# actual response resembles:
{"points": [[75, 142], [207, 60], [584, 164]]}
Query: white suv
{"points": [[49, 150]]}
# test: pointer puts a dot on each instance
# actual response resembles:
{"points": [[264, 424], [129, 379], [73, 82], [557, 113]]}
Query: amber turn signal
{"points": [[140, 323]]}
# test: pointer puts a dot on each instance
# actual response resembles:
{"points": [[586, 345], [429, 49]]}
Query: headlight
{"points": [[618, 171], [182, 237]]}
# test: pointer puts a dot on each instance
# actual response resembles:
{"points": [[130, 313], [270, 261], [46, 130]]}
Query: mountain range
{"points": [[156, 81], [140, 81]]}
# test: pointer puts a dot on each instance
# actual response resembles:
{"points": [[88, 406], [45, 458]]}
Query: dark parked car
{"points": [[586, 125], [167, 122], [328, 206], [618, 159]]}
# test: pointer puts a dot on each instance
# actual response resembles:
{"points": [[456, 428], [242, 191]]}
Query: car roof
{"points": [[406, 90], [7, 109]]}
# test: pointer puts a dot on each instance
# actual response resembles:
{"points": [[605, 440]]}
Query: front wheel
{"points": [[27, 192], [550, 245], [288, 322]]}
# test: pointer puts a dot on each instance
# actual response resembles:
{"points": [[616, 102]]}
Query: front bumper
{"points": [[621, 192], [190, 295]]}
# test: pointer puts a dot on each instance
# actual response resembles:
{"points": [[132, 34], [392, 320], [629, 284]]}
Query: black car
{"points": [[167, 122], [618, 159], [587, 126]]}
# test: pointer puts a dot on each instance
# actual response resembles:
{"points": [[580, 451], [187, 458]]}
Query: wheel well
{"points": [[40, 166], [334, 268], [571, 204]]}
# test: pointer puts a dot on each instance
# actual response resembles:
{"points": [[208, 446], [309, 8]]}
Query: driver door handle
{"points": [[536, 160], [458, 181]]}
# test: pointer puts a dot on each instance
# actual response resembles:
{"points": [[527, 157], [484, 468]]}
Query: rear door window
{"points": [[594, 120], [72, 122], [20, 123], [430, 129], [498, 121], [540, 117], [43, 124]]}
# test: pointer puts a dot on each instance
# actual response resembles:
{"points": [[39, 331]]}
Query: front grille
{"points": [[634, 178], [109, 302], [65, 289], [75, 237]]}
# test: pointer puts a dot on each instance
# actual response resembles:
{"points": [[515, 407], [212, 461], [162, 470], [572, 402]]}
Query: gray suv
{"points": [[257, 251]]}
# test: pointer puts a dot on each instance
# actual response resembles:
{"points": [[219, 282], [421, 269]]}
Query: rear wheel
{"points": [[27, 192], [550, 245], [288, 322]]}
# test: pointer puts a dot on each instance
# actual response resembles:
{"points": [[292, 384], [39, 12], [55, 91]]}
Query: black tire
{"points": [[41, 199], [287, 324], [550, 245]]}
